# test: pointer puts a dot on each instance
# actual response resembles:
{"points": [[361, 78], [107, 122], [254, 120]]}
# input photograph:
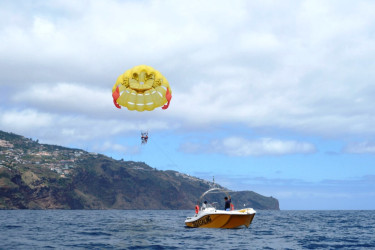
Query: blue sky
{"points": [[270, 96]]}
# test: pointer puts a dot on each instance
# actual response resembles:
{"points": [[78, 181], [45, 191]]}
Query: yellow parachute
{"points": [[141, 88]]}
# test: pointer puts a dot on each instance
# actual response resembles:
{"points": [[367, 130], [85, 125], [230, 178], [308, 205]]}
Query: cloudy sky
{"points": [[270, 96]]}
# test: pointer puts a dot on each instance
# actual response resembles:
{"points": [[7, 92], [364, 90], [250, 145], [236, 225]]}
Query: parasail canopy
{"points": [[141, 88]]}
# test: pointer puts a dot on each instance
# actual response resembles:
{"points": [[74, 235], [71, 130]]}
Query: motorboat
{"points": [[208, 216]]}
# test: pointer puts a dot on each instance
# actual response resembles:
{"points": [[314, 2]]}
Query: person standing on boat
{"points": [[227, 203]]}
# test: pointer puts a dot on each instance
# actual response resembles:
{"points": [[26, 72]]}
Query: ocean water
{"points": [[142, 229]]}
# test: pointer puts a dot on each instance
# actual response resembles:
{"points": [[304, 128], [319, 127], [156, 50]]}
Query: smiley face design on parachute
{"points": [[141, 88]]}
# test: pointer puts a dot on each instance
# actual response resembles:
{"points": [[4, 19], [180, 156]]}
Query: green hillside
{"points": [[41, 176]]}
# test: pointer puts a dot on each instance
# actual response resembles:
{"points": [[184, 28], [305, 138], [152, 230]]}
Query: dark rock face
{"points": [[39, 176]]}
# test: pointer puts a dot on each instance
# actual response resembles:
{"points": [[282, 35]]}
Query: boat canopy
{"points": [[213, 190]]}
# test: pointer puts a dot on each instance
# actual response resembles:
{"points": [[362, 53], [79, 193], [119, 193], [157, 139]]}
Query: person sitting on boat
{"points": [[204, 205], [227, 203]]}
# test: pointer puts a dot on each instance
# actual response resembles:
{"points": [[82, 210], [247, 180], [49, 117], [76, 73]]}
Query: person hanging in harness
{"points": [[144, 137]]}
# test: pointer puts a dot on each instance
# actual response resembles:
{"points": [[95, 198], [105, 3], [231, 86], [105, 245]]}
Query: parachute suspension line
{"points": [[164, 153]]}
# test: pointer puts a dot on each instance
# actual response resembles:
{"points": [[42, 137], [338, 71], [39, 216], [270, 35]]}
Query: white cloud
{"points": [[300, 66], [42, 27], [360, 148], [109, 146], [69, 129], [23, 120], [66, 97], [237, 146], [259, 42]]}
